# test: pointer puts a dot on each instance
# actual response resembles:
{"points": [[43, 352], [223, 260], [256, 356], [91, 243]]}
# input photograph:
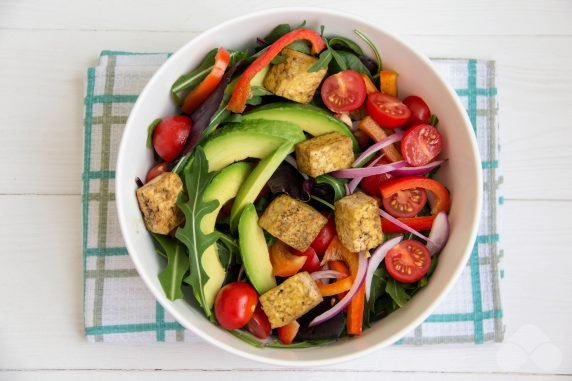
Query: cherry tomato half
{"points": [[344, 91], [312, 261], [408, 261], [324, 237], [421, 144], [170, 136], [387, 111], [371, 184], [235, 304], [405, 203], [259, 325], [156, 171], [420, 112]]}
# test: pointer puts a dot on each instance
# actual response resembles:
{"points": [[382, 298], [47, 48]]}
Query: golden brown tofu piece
{"points": [[291, 299], [357, 222], [293, 222], [325, 153], [158, 203], [291, 79]]}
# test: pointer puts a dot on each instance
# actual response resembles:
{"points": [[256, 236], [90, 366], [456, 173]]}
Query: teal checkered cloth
{"points": [[119, 308]]}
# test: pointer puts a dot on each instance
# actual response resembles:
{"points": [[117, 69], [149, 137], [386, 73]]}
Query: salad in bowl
{"points": [[306, 192], [290, 190]]}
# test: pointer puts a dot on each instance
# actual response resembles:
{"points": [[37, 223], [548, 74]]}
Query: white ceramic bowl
{"points": [[461, 174]]}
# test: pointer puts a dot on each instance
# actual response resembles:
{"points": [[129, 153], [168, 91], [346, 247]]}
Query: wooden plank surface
{"points": [[46, 48]]}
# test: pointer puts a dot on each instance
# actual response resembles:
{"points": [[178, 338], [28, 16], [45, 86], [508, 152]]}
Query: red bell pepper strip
{"points": [[420, 224], [241, 92], [198, 95], [442, 200]]}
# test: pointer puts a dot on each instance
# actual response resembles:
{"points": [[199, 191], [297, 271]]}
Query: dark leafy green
{"points": [[372, 46], [330, 329], [196, 178], [397, 292], [345, 43], [150, 131], [286, 179], [352, 62], [338, 185], [433, 120], [323, 61]]}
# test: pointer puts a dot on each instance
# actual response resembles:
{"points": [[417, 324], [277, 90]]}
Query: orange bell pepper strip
{"points": [[442, 199], [374, 131], [369, 85], [388, 82], [355, 312], [241, 92], [337, 287], [197, 96], [340, 267], [284, 263]]}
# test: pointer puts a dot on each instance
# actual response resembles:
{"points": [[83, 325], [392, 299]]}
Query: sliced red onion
{"points": [[339, 307], [290, 160], [355, 182], [439, 233], [403, 226], [393, 138], [368, 171], [417, 171], [344, 117], [376, 259], [327, 274], [348, 190]]}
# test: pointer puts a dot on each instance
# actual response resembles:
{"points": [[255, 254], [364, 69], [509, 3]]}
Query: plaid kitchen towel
{"points": [[119, 308]]}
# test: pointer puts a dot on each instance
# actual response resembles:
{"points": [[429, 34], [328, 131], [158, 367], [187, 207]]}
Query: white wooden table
{"points": [[45, 48]]}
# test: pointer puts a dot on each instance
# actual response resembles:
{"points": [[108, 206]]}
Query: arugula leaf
{"points": [[163, 244], [150, 131], [278, 31], [300, 45], [338, 185], [397, 292], [254, 101], [323, 61], [345, 43], [171, 278], [280, 58], [354, 63], [259, 91], [372, 46], [247, 338], [196, 177], [323, 202]]}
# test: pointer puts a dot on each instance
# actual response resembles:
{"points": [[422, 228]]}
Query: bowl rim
{"points": [[124, 226]]}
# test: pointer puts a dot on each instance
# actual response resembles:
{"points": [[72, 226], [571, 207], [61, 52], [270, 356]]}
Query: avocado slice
{"points": [[223, 187], [311, 119], [256, 181], [252, 138], [254, 252]]}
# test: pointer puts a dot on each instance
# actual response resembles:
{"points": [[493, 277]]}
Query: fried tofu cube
{"points": [[158, 203], [293, 298], [325, 153], [291, 79], [293, 222], [357, 222]]}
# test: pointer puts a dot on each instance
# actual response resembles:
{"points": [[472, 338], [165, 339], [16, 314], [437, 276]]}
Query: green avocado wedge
{"points": [[223, 187], [252, 138], [311, 119], [256, 181], [254, 252]]}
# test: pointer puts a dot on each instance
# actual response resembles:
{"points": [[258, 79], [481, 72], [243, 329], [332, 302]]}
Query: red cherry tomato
{"points": [[371, 184], [420, 113], [288, 332], [312, 261], [344, 91], [421, 144], [235, 304], [170, 136], [259, 325], [408, 261], [324, 237], [156, 171], [387, 111], [405, 203]]}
